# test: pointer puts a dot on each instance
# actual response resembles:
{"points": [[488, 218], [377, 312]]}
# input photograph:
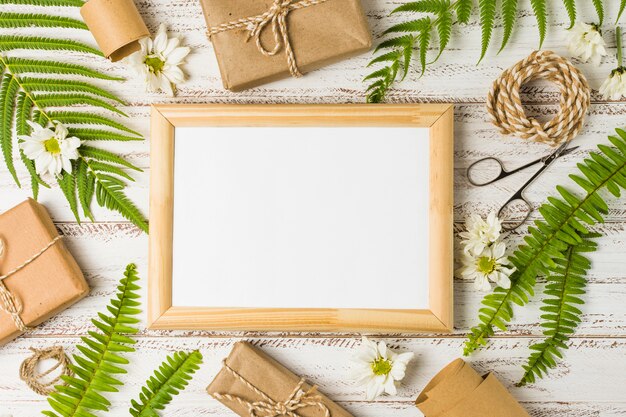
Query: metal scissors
{"points": [[517, 202]]}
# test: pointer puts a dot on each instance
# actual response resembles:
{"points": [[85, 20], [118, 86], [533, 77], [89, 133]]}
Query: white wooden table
{"points": [[591, 381]]}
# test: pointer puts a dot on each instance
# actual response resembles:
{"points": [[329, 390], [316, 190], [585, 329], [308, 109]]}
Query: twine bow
{"points": [[11, 303], [276, 18], [268, 407]]}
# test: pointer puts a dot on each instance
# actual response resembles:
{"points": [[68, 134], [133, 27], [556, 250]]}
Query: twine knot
{"points": [[504, 103], [276, 18], [11, 303], [268, 407], [29, 374]]}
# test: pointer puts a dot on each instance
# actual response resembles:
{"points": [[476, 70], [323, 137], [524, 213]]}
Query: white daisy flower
{"points": [[586, 42], [490, 265], [379, 368], [614, 87], [480, 233], [52, 151], [158, 62]]}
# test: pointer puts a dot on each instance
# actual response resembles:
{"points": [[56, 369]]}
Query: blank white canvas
{"points": [[301, 217]]}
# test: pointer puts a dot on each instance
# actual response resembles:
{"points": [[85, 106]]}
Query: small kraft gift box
{"points": [[252, 384], [38, 276], [258, 41]]}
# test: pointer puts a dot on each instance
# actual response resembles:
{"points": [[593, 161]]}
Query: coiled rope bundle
{"points": [[505, 105]]}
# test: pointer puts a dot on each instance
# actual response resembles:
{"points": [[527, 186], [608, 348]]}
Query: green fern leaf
{"points": [[444, 30], [105, 156], [8, 93], [570, 6], [509, 15], [99, 134], [563, 220], [464, 10], [539, 8], [8, 43], [424, 6], [487, 10], [67, 183], [82, 118], [19, 20], [110, 194], [566, 284], [423, 41], [100, 359], [67, 86], [21, 65], [599, 6], [85, 186], [64, 100], [417, 25], [62, 3], [622, 7], [172, 377]]}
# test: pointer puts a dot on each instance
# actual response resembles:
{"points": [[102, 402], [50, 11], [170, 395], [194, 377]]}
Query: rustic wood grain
{"points": [[589, 382]]}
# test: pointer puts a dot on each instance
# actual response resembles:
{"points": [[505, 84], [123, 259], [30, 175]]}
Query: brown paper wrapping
{"points": [[320, 34], [49, 284], [268, 376], [116, 25], [458, 391]]}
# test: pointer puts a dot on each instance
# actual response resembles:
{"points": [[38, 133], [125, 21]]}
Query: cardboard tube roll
{"points": [[116, 25], [458, 391]]}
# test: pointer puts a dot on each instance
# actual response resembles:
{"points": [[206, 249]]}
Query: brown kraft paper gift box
{"points": [[46, 286], [319, 34], [459, 391], [269, 377]]}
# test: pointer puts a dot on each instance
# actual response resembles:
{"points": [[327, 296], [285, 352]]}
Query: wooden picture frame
{"points": [[438, 118]]}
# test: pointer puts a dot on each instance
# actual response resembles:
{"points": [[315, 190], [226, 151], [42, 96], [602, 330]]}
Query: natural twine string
{"points": [[29, 374], [505, 105], [276, 16], [269, 408], [11, 303]]}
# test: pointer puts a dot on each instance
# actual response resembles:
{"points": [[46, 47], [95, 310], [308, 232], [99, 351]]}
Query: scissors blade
{"points": [[560, 151]]}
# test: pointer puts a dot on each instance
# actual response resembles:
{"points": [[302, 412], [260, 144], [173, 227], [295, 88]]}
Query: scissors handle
{"points": [[501, 172], [515, 211]]}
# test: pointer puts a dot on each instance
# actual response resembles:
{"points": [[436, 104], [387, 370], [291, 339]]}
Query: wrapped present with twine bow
{"points": [[258, 41], [252, 384], [38, 275]]}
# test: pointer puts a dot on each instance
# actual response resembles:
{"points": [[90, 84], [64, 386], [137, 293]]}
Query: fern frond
{"points": [[463, 10], [21, 65], [64, 100], [563, 222], [100, 361], [83, 118], [509, 14], [85, 187], [67, 86], [21, 20], [172, 377], [109, 193], [599, 6], [566, 283], [570, 7], [444, 30], [622, 7], [487, 10], [62, 3], [424, 6], [541, 14], [106, 156], [67, 183], [99, 134], [8, 43], [8, 93]]}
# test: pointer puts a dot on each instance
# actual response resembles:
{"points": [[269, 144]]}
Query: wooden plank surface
{"points": [[589, 382]]}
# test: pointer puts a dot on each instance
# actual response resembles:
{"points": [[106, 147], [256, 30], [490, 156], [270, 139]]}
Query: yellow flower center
{"points": [[381, 366], [486, 265], [52, 146], [154, 63]]}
